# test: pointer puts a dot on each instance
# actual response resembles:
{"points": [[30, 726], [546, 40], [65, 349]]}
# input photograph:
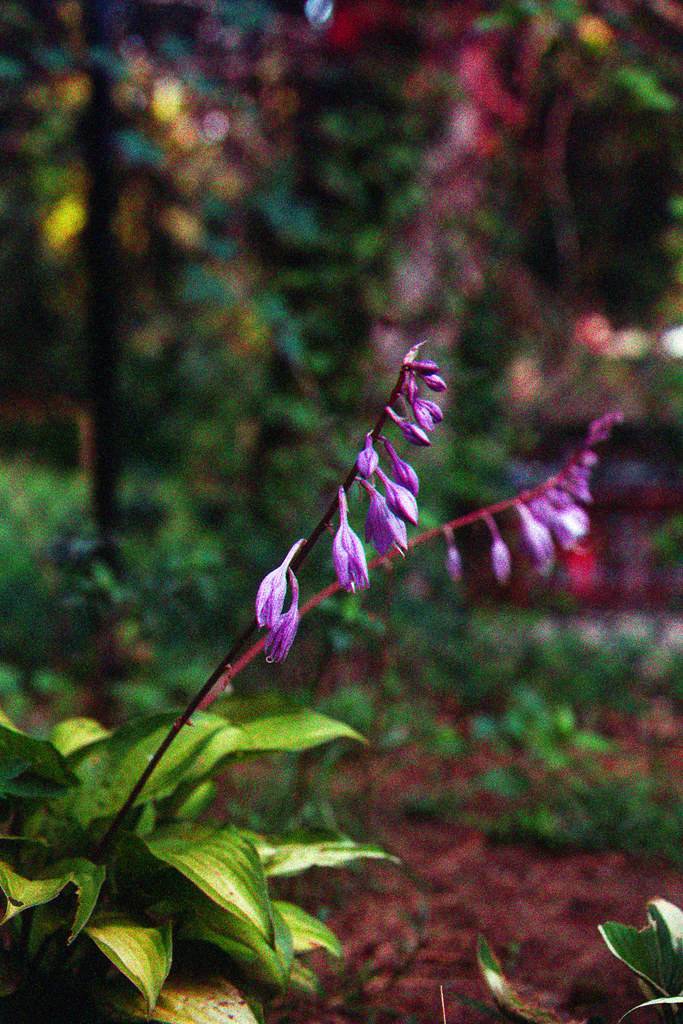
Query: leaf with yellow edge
{"points": [[184, 1001], [142, 953]]}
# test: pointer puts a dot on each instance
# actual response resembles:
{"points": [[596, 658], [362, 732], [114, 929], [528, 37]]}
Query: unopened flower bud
{"points": [[283, 631], [537, 540], [348, 553], [434, 382], [383, 529], [412, 433], [453, 562], [501, 561], [424, 366], [427, 413], [400, 500], [271, 593], [367, 460], [403, 472]]}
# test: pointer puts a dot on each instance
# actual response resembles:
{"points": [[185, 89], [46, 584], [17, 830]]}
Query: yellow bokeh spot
{"points": [[65, 221], [167, 99], [594, 32]]}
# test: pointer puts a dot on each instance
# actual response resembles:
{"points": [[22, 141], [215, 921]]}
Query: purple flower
{"points": [[348, 553], [434, 382], [283, 631], [427, 413], [367, 460], [600, 429], [567, 522], [400, 500], [453, 562], [425, 366], [575, 481], [537, 540], [501, 561], [403, 473], [410, 431], [271, 593], [383, 529]]}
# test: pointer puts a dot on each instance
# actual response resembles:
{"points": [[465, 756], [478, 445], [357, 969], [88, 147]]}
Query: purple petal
{"points": [[434, 382], [400, 500], [271, 593], [383, 529], [404, 473], [501, 560], [537, 540], [367, 460], [453, 563], [283, 631]]}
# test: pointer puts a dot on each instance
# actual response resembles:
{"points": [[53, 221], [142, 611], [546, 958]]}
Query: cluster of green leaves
{"points": [[655, 955], [174, 898]]}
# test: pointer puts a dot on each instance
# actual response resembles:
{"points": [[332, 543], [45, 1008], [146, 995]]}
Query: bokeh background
{"points": [[222, 225]]}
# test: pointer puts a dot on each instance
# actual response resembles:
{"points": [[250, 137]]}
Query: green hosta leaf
{"points": [[662, 1001], [109, 768], [186, 1001], [307, 931], [75, 733], [506, 999], [637, 949], [140, 952], [22, 893], [305, 980], [271, 722], [197, 801], [29, 766], [667, 921], [297, 851], [241, 941], [222, 863]]}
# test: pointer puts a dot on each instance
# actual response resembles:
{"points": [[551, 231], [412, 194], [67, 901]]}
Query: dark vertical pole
{"points": [[100, 249]]}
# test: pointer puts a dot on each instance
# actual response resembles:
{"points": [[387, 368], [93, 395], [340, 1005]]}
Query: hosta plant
{"points": [[179, 916], [655, 955], [117, 900]]}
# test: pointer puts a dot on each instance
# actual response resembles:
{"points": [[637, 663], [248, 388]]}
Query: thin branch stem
{"points": [[225, 666]]}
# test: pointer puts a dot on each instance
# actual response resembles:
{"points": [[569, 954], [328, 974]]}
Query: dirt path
{"points": [[407, 931]]}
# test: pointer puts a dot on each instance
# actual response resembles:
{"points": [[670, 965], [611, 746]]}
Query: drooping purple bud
{"points": [[403, 472], [501, 560], [427, 413], [383, 529], [575, 481], [568, 524], [410, 431], [453, 562], [367, 460], [400, 500], [537, 540], [600, 429], [283, 631], [424, 366], [434, 382], [271, 593], [348, 553]]}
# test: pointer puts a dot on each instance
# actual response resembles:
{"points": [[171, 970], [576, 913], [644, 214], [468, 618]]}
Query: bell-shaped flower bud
{"points": [[568, 523], [412, 433], [537, 540], [368, 460], [600, 429], [576, 482], [348, 554], [427, 413], [400, 500], [283, 630], [453, 561], [383, 529], [434, 382], [501, 560], [271, 593], [404, 473], [425, 366]]}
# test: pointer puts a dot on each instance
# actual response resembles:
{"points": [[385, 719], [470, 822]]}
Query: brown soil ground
{"points": [[407, 930]]}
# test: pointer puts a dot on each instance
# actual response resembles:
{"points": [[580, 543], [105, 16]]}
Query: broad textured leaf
{"points": [[670, 950], [222, 864], [307, 931], [22, 893], [297, 851], [75, 733], [505, 997], [186, 1001], [32, 767], [140, 952], [109, 768], [672, 916], [662, 1001], [305, 980], [637, 949], [258, 959], [271, 722], [197, 801]]}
